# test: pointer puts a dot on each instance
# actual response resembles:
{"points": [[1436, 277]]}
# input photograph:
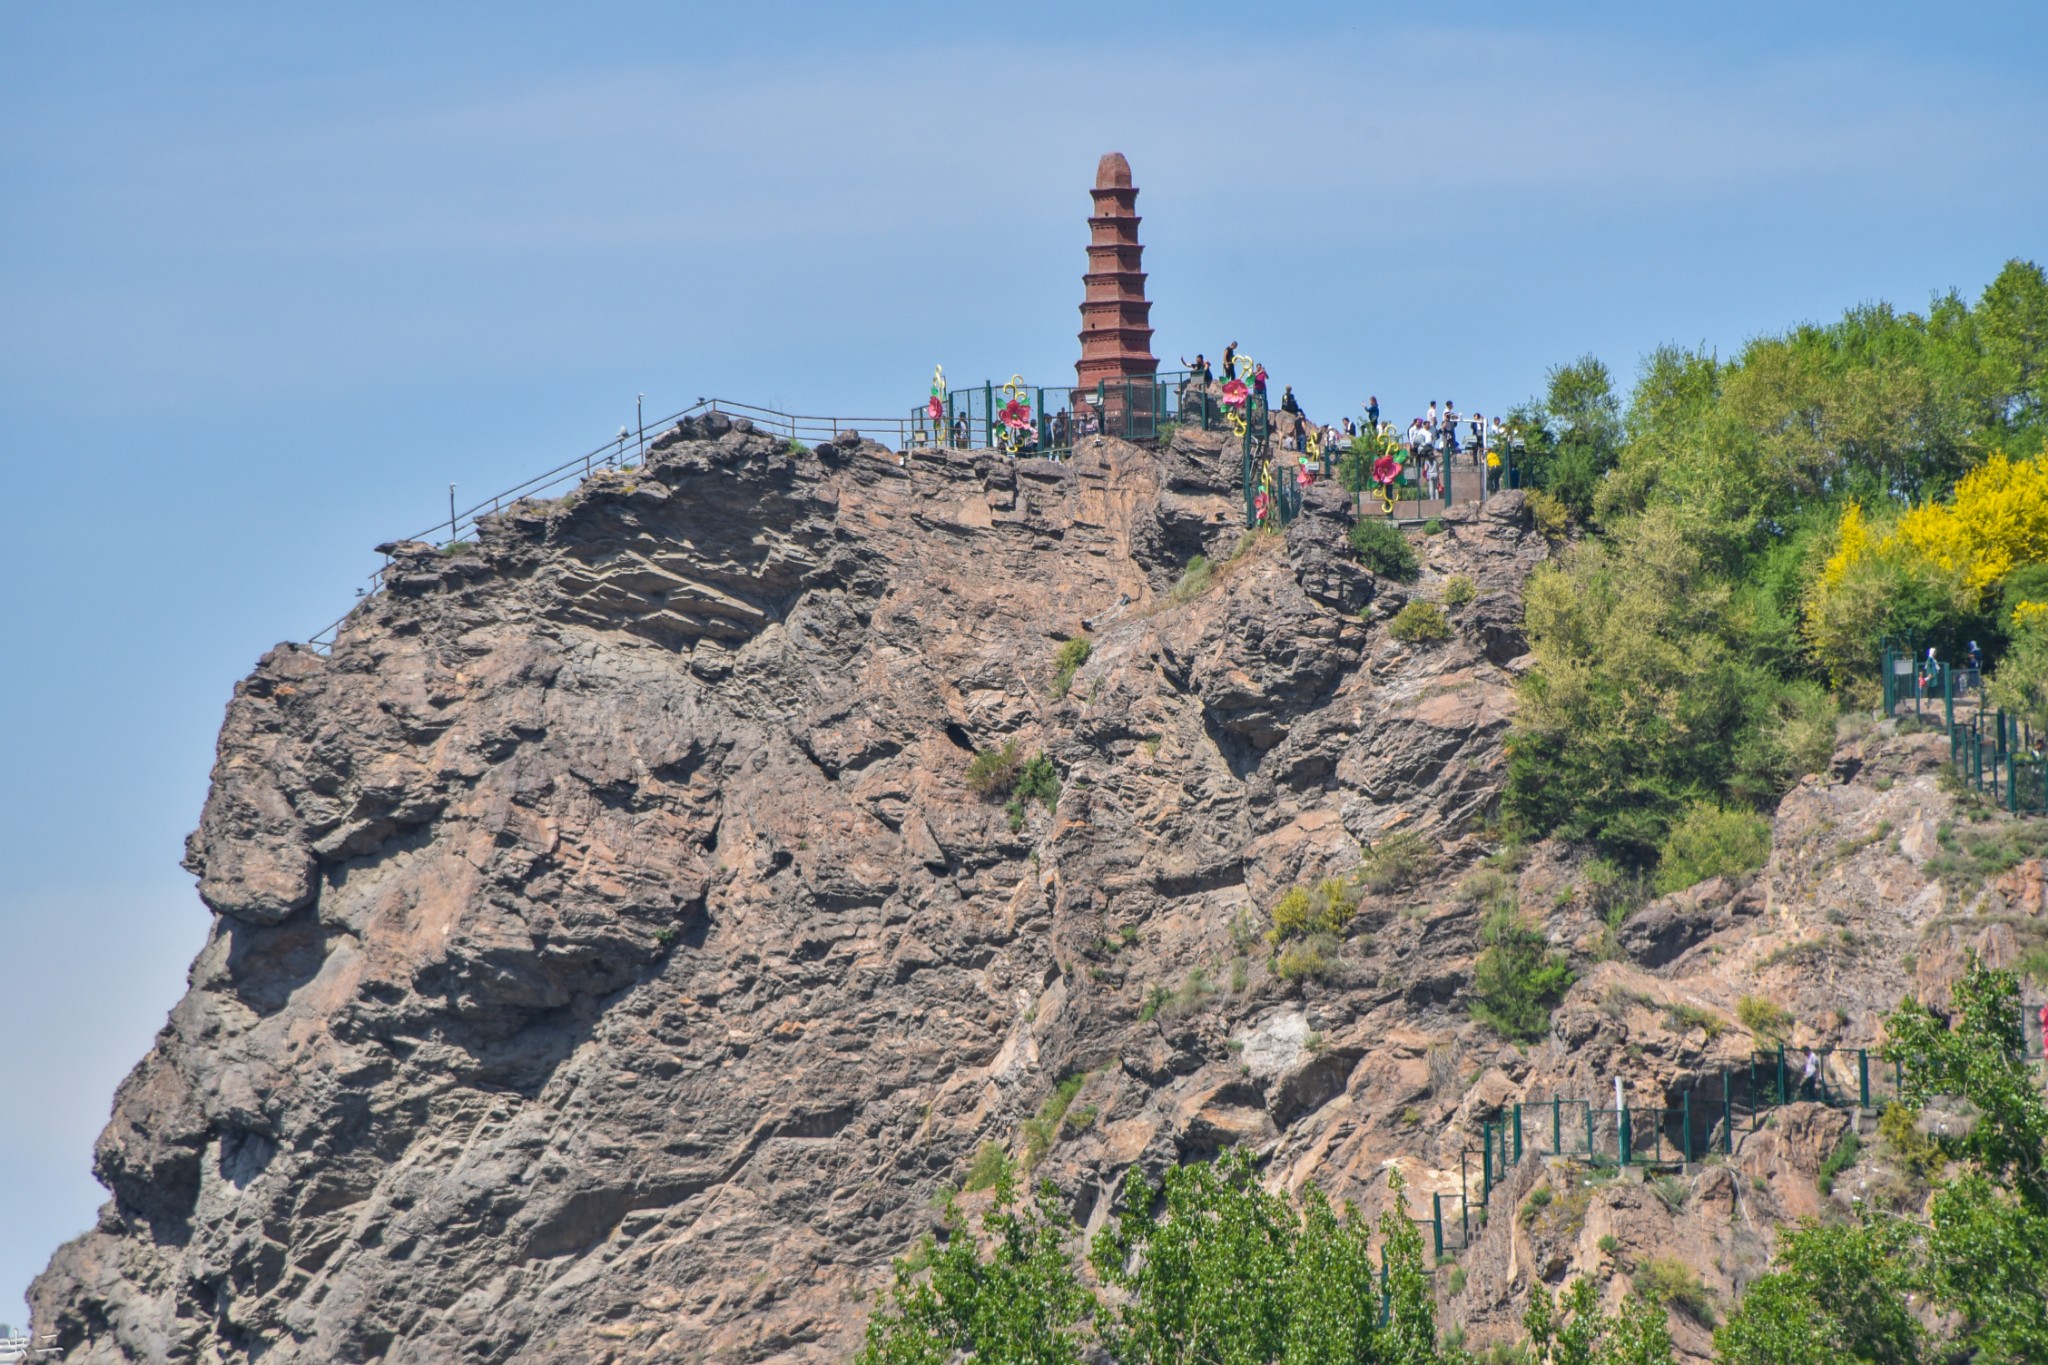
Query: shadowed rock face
{"points": [[610, 960]]}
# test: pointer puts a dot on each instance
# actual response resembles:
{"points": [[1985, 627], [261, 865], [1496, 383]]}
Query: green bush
{"points": [[993, 772], [1302, 911], [1043, 1130], [1066, 662], [1518, 979], [1038, 780], [991, 1165], [1420, 623], [1765, 1018], [1839, 1160], [1381, 547], [1314, 957], [1163, 1003], [1666, 1281], [1712, 841], [1194, 580], [1459, 590], [1400, 859], [1433, 527], [1552, 517]]}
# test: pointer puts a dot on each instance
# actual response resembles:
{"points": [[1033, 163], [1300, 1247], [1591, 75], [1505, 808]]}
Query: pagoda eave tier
{"points": [[1097, 342]]}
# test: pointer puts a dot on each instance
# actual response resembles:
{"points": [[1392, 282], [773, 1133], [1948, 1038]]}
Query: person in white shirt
{"points": [[1431, 418]]}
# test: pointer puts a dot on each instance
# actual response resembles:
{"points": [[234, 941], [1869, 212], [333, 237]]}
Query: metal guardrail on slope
{"points": [[808, 429]]}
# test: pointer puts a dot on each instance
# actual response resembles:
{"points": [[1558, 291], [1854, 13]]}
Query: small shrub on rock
{"points": [[1420, 623], [1314, 957], [1304, 911], [991, 1163], [1518, 979], [1765, 1018], [1194, 580], [994, 772], [1066, 662], [1712, 841], [1552, 517], [1398, 860], [1666, 1281], [1459, 590], [1381, 547]]}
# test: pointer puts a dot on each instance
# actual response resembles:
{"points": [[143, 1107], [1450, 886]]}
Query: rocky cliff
{"points": [[612, 958]]}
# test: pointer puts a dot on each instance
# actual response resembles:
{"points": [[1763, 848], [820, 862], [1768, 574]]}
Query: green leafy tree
{"points": [[1572, 1329], [1212, 1267], [1834, 1294], [1517, 980], [1573, 434], [1021, 1304], [1981, 1262]]}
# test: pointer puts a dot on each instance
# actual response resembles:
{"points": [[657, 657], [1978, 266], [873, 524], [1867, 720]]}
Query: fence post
{"points": [[1781, 1074], [1518, 1133], [1556, 1128], [1436, 1206], [1486, 1162], [1688, 1127], [1863, 1077], [1948, 700], [1621, 1129], [1589, 1130]]}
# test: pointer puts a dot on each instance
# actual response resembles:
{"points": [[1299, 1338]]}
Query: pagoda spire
{"points": [[1116, 321]]}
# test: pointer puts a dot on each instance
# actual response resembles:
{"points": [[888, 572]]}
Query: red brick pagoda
{"points": [[1116, 327]]}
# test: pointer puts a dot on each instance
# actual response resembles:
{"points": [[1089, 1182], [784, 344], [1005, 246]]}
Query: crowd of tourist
{"points": [[1429, 447]]}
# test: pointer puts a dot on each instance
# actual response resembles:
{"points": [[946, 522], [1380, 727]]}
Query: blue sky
{"points": [[271, 279]]}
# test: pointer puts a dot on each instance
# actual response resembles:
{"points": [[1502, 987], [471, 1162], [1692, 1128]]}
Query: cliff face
{"points": [[610, 958]]}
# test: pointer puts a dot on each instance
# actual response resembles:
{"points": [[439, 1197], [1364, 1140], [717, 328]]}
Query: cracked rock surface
{"points": [[610, 959]]}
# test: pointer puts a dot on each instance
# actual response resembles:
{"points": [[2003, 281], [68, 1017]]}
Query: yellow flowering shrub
{"points": [[1877, 576]]}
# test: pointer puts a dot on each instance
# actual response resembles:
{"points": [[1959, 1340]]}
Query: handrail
{"points": [[609, 455]]}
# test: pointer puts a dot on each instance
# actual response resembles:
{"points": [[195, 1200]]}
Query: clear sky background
{"points": [[273, 276]]}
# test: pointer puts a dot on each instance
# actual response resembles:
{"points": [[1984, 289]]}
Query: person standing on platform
{"points": [[1230, 362], [1372, 413]]}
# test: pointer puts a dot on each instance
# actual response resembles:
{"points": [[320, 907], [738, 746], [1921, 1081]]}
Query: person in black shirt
{"points": [[1230, 362], [1287, 402], [1372, 413], [1199, 371]]}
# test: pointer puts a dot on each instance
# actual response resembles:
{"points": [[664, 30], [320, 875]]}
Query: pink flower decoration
{"points": [[1015, 415], [1234, 393], [1302, 476], [1386, 469], [935, 408]]}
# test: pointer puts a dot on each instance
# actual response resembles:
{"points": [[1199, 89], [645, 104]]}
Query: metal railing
{"points": [[1048, 419], [627, 448], [1991, 750]]}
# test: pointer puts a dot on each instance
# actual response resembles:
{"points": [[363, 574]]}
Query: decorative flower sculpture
{"points": [[1386, 469], [1014, 417], [1492, 460], [1302, 475], [1235, 391]]}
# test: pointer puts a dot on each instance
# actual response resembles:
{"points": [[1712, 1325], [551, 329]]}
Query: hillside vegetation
{"points": [[1745, 533]]}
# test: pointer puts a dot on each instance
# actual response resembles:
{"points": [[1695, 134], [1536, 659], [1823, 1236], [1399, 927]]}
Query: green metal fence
{"points": [[1992, 751], [1048, 419]]}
